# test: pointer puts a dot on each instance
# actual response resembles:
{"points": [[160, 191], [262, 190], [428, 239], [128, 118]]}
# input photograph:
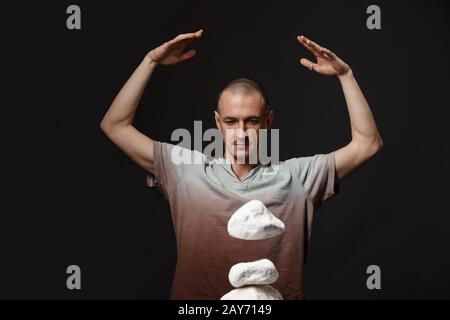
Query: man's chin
{"points": [[241, 153], [241, 157]]}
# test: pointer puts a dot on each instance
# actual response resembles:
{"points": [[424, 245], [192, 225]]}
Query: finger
{"points": [[184, 40], [186, 36], [179, 38], [326, 56], [314, 45], [181, 43], [308, 64], [302, 39], [308, 45], [329, 53], [187, 55]]}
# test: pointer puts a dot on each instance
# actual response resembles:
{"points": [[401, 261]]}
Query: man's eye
{"points": [[229, 122], [253, 121]]}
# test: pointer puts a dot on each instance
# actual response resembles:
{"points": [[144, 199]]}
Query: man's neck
{"points": [[240, 170]]}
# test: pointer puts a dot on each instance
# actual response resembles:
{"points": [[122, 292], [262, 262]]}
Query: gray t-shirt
{"points": [[204, 196]]}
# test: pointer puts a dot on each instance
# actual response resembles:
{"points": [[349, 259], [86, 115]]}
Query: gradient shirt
{"points": [[203, 197]]}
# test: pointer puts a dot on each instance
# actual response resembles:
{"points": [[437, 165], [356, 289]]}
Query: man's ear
{"points": [[269, 119], [217, 118]]}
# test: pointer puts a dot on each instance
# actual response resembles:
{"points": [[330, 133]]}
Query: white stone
{"points": [[258, 272], [253, 221], [264, 292]]}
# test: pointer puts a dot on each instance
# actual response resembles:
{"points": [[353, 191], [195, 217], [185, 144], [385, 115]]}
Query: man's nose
{"points": [[241, 133]]}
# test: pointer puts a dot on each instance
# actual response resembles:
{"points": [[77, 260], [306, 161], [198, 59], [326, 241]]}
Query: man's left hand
{"points": [[327, 63]]}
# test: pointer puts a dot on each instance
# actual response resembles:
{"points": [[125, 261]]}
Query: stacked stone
{"points": [[252, 280]]}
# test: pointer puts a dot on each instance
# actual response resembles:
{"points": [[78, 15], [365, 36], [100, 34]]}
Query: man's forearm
{"points": [[363, 127], [123, 108]]}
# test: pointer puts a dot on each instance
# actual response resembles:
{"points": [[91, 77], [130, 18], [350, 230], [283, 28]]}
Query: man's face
{"points": [[239, 118]]}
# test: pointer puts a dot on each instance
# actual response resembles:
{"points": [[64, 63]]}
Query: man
{"points": [[203, 197]]}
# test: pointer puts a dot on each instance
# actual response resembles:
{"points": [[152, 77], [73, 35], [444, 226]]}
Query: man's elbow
{"points": [[107, 127], [367, 148], [376, 146], [104, 126]]}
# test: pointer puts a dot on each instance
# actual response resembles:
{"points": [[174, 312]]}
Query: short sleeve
{"points": [[317, 175], [171, 162]]}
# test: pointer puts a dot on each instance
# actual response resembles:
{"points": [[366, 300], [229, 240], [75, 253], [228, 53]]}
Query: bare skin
{"points": [[366, 140], [117, 122], [239, 112]]}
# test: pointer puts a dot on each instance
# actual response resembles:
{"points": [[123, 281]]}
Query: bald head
{"points": [[244, 87]]}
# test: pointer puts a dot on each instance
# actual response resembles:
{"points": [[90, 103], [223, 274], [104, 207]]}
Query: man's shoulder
{"points": [[182, 155]]}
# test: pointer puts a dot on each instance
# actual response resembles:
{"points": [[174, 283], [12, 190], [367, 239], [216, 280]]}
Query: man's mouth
{"points": [[241, 144]]}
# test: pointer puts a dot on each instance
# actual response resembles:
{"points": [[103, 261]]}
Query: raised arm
{"points": [[366, 140], [117, 122]]}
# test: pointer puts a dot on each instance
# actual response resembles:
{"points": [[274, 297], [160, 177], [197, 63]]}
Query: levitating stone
{"points": [[253, 221], [264, 292], [253, 273]]}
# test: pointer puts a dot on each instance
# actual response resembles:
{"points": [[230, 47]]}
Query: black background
{"points": [[71, 197]]}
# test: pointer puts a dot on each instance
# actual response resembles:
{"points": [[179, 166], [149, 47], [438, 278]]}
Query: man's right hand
{"points": [[117, 122], [171, 52]]}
